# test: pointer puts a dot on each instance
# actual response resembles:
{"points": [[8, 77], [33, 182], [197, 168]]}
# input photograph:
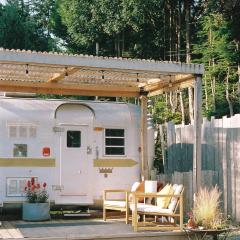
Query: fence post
{"points": [[197, 133]]}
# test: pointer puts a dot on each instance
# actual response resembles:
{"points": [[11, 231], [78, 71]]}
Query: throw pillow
{"points": [[133, 189], [163, 202]]}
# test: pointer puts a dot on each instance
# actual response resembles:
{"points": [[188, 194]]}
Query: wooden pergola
{"points": [[55, 73]]}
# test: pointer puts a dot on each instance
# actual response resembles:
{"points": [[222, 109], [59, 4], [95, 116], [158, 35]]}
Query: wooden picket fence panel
{"points": [[220, 159]]}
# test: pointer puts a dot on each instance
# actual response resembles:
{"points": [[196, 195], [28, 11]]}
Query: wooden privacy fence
{"points": [[220, 159]]}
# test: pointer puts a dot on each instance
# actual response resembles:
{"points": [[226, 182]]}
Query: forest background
{"points": [[200, 31]]}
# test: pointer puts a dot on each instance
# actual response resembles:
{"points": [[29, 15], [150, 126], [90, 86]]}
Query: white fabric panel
{"points": [[135, 186], [177, 190]]}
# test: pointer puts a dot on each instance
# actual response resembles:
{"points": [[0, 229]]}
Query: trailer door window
{"points": [[73, 139], [114, 142]]}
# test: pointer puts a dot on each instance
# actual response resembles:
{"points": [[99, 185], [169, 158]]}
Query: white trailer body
{"points": [[79, 148]]}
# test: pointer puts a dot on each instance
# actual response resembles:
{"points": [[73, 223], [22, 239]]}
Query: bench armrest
{"points": [[140, 195], [127, 192]]}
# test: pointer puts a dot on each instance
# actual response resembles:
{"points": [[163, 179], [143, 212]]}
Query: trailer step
{"points": [[77, 214]]}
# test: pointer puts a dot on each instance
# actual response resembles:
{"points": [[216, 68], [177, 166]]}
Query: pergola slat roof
{"points": [[54, 73]]}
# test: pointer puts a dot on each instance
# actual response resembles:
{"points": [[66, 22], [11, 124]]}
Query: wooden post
{"points": [[197, 133], [181, 212], [104, 209], [144, 153], [127, 207]]}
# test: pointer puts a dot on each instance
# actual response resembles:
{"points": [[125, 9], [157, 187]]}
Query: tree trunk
{"points": [[188, 56], [173, 101], [187, 20], [166, 99], [170, 34], [206, 92], [190, 103], [179, 33], [238, 72], [238, 79], [115, 46], [213, 87], [164, 35], [118, 46], [97, 48], [182, 107], [123, 42], [227, 93]]}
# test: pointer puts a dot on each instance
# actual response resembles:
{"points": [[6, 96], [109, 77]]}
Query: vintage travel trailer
{"points": [[79, 148]]}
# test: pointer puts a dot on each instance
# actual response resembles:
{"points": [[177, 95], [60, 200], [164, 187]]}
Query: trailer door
{"points": [[73, 161]]}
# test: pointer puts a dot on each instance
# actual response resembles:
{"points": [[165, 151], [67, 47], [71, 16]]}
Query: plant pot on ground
{"points": [[37, 207], [206, 218], [207, 213]]}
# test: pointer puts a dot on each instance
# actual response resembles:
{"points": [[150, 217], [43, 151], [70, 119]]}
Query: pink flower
{"points": [[44, 185], [190, 214], [32, 180]]}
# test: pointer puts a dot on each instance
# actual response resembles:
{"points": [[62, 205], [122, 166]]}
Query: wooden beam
{"points": [[197, 134], [172, 87], [144, 147], [169, 83], [60, 76], [68, 89]]}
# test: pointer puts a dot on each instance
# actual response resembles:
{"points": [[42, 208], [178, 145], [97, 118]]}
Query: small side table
{"points": [[197, 234]]}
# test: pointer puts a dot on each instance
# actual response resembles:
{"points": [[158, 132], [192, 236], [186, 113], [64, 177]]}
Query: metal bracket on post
{"points": [[143, 92]]}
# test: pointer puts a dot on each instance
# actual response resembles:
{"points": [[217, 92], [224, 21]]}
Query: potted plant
{"points": [[37, 207], [207, 217]]}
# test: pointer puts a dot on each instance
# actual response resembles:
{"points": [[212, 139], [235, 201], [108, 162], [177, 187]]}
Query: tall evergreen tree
{"points": [[19, 30]]}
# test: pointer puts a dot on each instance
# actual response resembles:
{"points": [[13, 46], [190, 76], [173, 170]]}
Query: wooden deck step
{"points": [[8, 231]]}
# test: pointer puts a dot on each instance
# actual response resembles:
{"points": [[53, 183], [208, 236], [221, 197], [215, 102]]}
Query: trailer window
{"points": [[22, 131], [73, 139], [114, 141], [16, 186], [20, 150]]}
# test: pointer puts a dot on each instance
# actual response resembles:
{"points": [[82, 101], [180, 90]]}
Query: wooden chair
{"points": [[168, 215], [118, 205], [122, 205]]}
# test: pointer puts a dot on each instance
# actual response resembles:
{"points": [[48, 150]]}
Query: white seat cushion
{"points": [[115, 203], [156, 209], [141, 206], [177, 190], [148, 208]]}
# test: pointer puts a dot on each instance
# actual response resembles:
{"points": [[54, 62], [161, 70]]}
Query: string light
{"points": [[66, 72], [102, 76], [137, 78], [27, 71]]}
